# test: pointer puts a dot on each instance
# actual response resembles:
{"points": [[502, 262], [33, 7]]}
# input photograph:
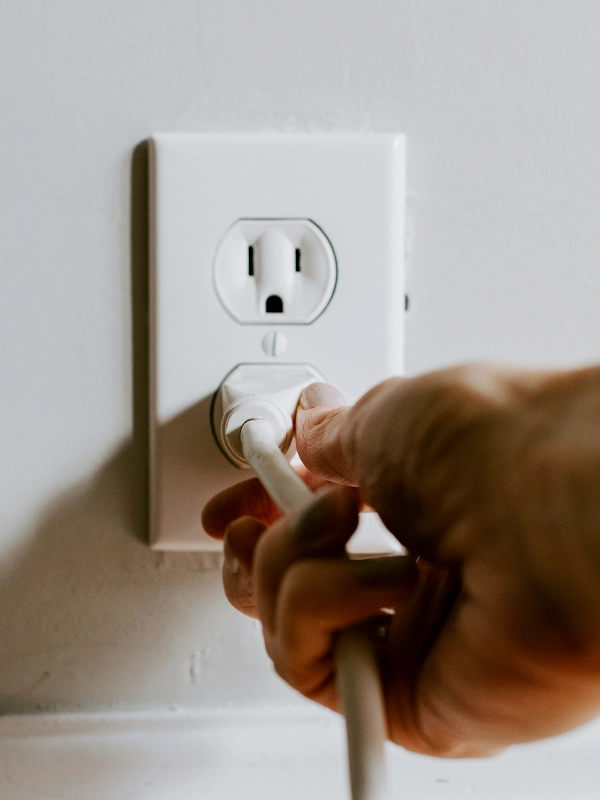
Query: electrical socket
{"points": [[210, 195], [275, 270]]}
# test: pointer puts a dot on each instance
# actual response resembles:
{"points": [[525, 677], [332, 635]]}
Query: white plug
{"points": [[259, 391]]}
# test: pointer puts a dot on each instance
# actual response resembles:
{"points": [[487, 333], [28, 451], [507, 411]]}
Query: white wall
{"points": [[500, 104]]}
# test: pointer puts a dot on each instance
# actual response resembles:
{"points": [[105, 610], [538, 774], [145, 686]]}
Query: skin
{"points": [[490, 477]]}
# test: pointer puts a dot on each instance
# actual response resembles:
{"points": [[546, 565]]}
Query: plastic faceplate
{"points": [[353, 187]]}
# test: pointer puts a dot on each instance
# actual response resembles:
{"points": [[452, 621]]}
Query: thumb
{"points": [[321, 433]]}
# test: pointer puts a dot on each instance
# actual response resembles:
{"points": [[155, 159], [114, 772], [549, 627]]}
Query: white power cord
{"points": [[261, 451], [357, 673]]}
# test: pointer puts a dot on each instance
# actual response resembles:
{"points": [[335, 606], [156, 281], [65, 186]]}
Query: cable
{"points": [[261, 451], [357, 674]]}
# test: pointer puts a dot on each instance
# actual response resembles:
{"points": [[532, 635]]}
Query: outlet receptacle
{"points": [[341, 197], [279, 271]]}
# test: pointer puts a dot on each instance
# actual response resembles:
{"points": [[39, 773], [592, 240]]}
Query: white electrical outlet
{"points": [[279, 271], [265, 248]]}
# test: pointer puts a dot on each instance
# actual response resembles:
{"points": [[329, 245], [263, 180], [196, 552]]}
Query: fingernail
{"points": [[231, 562], [321, 394], [382, 571]]}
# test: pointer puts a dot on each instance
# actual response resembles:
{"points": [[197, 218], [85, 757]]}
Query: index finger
{"points": [[247, 499]]}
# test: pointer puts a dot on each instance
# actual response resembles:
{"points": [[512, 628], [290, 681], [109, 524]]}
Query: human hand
{"points": [[489, 476]]}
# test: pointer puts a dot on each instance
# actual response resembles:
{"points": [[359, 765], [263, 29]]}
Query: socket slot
{"points": [[274, 304], [264, 267]]}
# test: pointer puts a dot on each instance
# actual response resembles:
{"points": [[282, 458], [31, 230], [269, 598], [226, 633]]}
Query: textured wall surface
{"points": [[500, 105]]}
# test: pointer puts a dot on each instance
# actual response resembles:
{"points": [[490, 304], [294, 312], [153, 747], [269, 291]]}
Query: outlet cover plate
{"points": [[353, 187]]}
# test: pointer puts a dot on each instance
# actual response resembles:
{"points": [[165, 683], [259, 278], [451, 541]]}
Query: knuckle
{"points": [[426, 728], [239, 593], [295, 675], [551, 506], [421, 730], [285, 668], [453, 748], [261, 558], [256, 501], [451, 424], [557, 632], [295, 601], [270, 650], [281, 667]]}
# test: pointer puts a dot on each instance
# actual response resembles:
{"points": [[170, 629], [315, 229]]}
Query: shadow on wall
{"points": [[88, 608]]}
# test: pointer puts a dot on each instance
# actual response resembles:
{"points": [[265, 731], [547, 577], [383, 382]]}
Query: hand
{"points": [[490, 478]]}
